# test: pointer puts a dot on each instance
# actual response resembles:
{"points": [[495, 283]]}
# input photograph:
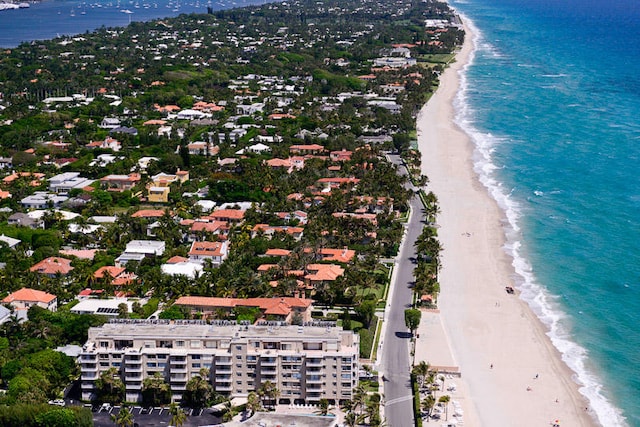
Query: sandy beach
{"points": [[511, 373]]}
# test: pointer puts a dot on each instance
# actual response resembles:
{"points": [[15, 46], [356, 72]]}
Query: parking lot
{"points": [[154, 416]]}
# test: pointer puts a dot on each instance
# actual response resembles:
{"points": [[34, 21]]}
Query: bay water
{"points": [[47, 19]]}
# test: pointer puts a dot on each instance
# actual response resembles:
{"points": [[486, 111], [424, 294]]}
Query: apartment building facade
{"points": [[306, 363]]}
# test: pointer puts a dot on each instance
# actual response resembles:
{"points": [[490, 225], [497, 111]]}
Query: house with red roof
{"points": [[306, 149], [321, 273], [229, 215], [108, 143], [120, 182], [53, 266], [118, 276], [200, 229], [278, 308], [217, 252], [270, 230], [148, 213], [340, 156], [25, 298]]}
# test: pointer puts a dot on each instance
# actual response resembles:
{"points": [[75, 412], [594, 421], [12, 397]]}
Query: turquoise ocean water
{"points": [[551, 100]]}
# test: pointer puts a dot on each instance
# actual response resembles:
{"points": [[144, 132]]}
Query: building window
{"points": [[195, 344], [195, 365], [179, 343], [195, 357]]}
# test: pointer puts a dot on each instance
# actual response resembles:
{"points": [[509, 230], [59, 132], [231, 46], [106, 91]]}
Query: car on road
{"points": [[57, 402]]}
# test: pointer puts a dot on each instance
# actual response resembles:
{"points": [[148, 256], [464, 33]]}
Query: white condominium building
{"points": [[306, 363]]}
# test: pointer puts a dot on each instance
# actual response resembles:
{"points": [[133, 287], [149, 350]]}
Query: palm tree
{"points": [[323, 407], [269, 392], [445, 399], [428, 403], [253, 402], [359, 398], [124, 418], [178, 416], [421, 370]]}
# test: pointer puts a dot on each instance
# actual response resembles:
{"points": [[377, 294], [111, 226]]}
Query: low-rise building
{"points": [[64, 182], [26, 297], [305, 363], [53, 266], [120, 182]]}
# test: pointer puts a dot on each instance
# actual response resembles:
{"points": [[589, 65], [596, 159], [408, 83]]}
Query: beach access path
{"points": [[515, 376]]}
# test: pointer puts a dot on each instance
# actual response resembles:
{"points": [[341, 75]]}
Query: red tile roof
{"points": [[31, 295], [53, 265]]}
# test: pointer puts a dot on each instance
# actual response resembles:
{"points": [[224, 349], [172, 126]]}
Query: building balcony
{"points": [[268, 371], [178, 387], [223, 370], [179, 378], [88, 376], [133, 386], [314, 362], [223, 387]]}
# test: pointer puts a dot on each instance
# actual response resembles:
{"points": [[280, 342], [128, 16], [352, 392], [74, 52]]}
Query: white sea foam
{"points": [[543, 303]]}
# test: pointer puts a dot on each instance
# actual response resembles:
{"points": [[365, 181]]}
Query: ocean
{"points": [[551, 100], [47, 19]]}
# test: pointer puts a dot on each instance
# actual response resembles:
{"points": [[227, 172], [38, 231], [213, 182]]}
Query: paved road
{"points": [[395, 346]]}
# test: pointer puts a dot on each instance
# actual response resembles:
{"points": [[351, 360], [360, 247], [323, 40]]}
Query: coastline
{"points": [[483, 324]]}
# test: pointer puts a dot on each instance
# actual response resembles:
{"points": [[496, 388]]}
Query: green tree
{"points": [[366, 310], [109, 387], [58, 417], [199, 392], [155, 390], [412, 319], [124, 418], [178, 416], [253, 402]]}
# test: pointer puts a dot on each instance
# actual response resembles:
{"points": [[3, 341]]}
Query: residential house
{"points": [[107, 143], [120, 183], [25, 298], [53, 266], [228, 215], [217, 252], [158, 194], [64, 182], [24, 220], [270, 230], [109, 123], [281, 309], [179, 266], [43, 200], [322, 273], [118, 276], [105, 307], [340, 156], [306, 149], [137, 250], [248, 110], [10, 241]]}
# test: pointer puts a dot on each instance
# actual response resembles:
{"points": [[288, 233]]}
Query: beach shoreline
{"points": [[511, 370]]}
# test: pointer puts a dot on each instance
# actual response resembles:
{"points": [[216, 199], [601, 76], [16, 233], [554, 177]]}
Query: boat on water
{"points": [[8, 6]]}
